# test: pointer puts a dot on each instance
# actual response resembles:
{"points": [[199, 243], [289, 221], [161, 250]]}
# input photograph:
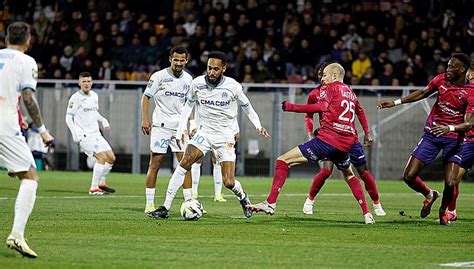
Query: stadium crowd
{"points": [[377, 42]]}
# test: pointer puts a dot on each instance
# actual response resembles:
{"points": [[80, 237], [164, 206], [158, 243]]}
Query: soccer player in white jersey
{"points": [[18, 75], [82, 118], [216, 98], [168, 88], [216, 171]]}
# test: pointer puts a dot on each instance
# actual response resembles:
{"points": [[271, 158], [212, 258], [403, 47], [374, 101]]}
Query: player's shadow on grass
{"points": [[63, 191]]}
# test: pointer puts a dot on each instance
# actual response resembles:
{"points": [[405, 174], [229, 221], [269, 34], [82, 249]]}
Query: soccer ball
{"points": [[191, 210]]}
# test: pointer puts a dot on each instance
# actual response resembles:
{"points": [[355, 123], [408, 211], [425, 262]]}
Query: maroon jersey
{"points": [[451, 104], [313, 98], [470, 109], [338, 127]]}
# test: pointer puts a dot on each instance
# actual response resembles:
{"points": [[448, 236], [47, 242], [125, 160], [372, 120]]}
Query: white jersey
{"points": [[84, 108], [18, 71], [169, 93], [217, 107]]}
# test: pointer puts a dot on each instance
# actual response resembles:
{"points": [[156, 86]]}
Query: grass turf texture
{"points": [[70, 229]]}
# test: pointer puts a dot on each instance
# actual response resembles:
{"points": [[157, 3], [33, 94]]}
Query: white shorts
{"points": [[15, 155], [162, 138], [94, 144], [223, 145]]}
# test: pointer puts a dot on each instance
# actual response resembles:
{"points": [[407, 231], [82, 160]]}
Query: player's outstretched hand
{"points": [[439, 130], [286, 106], [47, 138], [146, 127], [368, 141], [263, 132], [385, 104]]}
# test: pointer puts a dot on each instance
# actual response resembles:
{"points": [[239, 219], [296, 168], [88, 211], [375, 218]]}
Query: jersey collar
{"points": [[214, 86], [172, 74]]}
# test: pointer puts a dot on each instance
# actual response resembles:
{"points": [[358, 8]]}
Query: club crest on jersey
{"points": [[224, 95], [323, 94]]}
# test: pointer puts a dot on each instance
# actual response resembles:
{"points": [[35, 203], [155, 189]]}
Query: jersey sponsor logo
{"points": [[202, 87], [150, 83], [71, 104], [215, 103], [89, 109], [448, 110], [176, 94], [34, 73], [167, 80]]}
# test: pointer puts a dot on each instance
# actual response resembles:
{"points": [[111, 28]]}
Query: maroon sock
{"points": [[448, 195], [318, 182], [358, 193], [370, 186], [452, 205], [279, 178], [418, 185]]}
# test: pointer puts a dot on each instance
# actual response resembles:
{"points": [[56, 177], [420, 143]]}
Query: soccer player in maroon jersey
{"points": [[449, 109], [356, 154], [467, 150], [333, 141]]}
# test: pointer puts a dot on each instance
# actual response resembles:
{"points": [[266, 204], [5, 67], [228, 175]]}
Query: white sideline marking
{"points": [[112, 196], [458, 264]]}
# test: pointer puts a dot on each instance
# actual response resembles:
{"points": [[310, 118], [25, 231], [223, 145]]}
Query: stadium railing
{"points": [[395, 131]]}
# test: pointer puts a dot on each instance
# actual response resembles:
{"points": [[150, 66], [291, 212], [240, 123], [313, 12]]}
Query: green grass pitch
{"points": [[70, 229]]}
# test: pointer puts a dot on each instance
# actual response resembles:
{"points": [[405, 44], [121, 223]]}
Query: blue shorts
{"points": [[316, 149], [357, 155], [467, 155], [430, 145]]}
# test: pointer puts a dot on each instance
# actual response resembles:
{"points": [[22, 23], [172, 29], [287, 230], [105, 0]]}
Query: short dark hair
{"points": [[463, 58], [18, 33], [179, 50], [218, 55], [85, 75], [320, 68]]}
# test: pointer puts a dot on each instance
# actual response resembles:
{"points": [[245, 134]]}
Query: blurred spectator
{"points": [[361, 65], [402, 33]]}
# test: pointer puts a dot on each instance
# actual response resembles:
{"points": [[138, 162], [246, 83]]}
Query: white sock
{"points": [[105, 172], [96, 173], [195, 175], [217, 172], [176, 181], [25, 201], [187, 194], [150, 195], [238, 191], [309, 201]]}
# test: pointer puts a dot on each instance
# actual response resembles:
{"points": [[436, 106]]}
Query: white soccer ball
{"points": [[191, 210]]}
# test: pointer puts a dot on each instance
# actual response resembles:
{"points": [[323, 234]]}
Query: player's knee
{"points": [[409, 177], [111, 159], [228, 183], [362, 169]]}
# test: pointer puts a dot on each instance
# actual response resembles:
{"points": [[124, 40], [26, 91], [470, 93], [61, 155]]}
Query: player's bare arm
{"points": [[146, 124], [360, 112], [412, 97], [33, 110], [440, 130]]}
